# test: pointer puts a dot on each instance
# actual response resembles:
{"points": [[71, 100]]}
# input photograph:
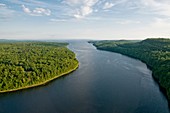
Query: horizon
{"points": [[84, 19], [67, 39]]}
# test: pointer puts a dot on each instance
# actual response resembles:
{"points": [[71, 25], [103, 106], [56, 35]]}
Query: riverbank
{"points": [[153, 52], [162, 89], [43, 83], [29, 64]]}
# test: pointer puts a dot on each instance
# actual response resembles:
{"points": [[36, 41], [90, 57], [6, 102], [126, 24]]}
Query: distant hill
{"points": [[5, 40]]}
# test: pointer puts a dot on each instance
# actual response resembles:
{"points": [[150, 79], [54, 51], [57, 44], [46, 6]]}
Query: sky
{"points": [[84, 19]]}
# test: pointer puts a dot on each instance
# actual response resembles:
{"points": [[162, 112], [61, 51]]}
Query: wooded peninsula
{"points": [[29, 64], [154, 52]]}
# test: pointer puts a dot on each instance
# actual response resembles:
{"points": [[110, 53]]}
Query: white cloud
{"points": [[42, 11], [26, 10], [2, 5], [108, 5], [86, 10], [83, 11], [36, 11], [81, 8]]}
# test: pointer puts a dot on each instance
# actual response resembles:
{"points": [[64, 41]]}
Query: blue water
{"points": [[105, 82]]}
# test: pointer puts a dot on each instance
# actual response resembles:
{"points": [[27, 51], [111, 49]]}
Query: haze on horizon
{"points": [[84, 19]]}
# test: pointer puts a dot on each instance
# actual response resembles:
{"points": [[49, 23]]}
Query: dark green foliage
{"points": [[28, 63], [154, 52]]}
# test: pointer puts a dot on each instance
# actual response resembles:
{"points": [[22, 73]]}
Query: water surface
{"points": [[105, 82]]}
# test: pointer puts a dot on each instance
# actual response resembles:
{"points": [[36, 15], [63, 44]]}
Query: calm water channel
{"points": [[105, 82]]}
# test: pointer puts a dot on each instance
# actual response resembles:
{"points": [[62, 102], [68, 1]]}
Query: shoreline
{"points": [[162, 89], [42, 83]]}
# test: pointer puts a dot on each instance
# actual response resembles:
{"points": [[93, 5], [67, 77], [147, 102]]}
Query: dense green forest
{"points": [[154, 52], [25, 64]]}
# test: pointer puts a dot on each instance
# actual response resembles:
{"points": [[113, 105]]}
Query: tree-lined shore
{"points": [[29, 64], [154, 52]]}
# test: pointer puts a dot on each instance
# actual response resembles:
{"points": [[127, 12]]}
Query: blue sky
{"points": [[84, 19]]}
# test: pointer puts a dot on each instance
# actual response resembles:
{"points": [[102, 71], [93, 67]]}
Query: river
{"points": [[105, 82]]}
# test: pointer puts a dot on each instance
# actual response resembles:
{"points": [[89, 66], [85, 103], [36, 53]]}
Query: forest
{"points": [[25, 64], [155, 52]]}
